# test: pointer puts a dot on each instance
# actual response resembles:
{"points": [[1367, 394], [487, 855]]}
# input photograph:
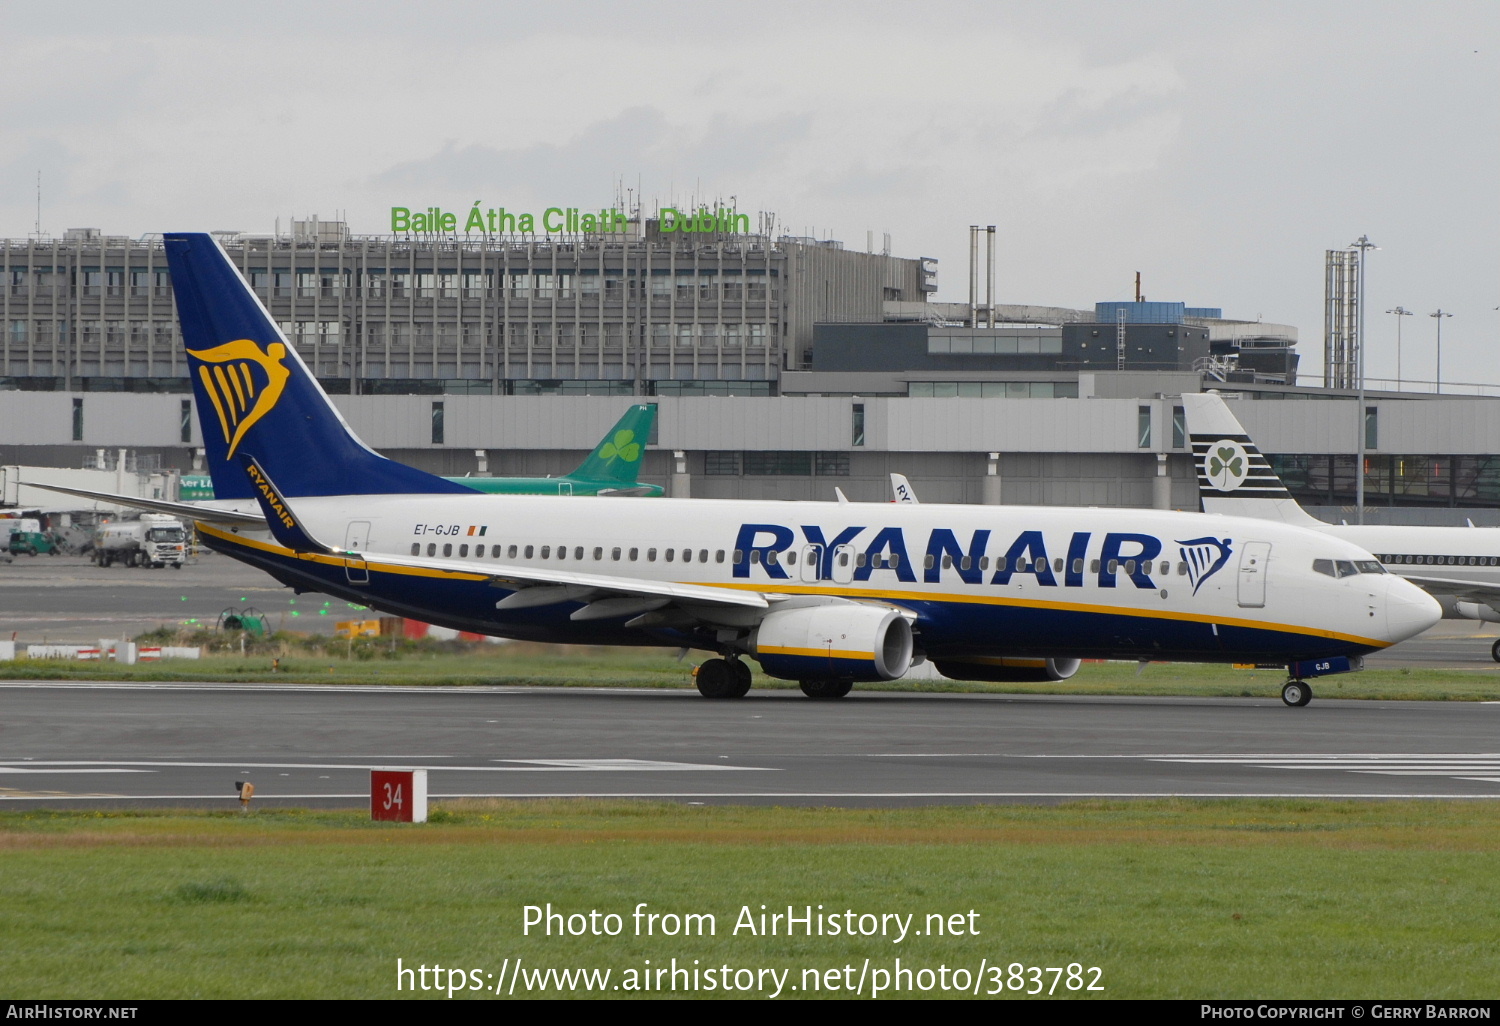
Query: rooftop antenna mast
{"points": [[39, 203]]}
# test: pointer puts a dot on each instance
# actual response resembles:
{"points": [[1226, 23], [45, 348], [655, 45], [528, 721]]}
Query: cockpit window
{"points": [[1347, 567]]}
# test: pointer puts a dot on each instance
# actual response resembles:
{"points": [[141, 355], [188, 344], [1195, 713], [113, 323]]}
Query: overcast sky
{"points": [[1217, 147]]}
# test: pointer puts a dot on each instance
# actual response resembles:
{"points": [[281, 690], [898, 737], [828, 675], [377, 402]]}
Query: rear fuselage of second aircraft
{"points": [[975, 580]]}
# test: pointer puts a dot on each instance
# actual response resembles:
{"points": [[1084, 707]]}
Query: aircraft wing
{"points": [[1469, 591], [538, 586], [619, 492], [606, 595], [186, 510]]}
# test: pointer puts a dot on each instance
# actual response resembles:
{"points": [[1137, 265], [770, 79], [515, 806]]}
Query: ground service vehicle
{"points": [[154, 540]]}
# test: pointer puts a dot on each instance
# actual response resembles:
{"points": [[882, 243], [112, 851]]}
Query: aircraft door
{"points": [[357, 539], [812, 563], [843, 564], [1254, 558], [565, 488]]}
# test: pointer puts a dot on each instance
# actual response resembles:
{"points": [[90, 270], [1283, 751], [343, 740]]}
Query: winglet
{"points": [[283, 522], [902, 490]]}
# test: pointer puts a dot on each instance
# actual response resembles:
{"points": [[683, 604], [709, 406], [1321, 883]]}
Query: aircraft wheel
{"points": [[741, 676], [715, 679], [1296, 693], [1495, 650], [826, 688]]}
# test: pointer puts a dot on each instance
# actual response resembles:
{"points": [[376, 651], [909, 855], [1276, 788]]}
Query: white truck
{"points": [[155, 540]]}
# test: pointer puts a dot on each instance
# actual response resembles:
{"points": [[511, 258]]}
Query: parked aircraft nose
{"points": [[1408, 609]]}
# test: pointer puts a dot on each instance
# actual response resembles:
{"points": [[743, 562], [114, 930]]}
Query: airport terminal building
{"points": [[781, 367]]}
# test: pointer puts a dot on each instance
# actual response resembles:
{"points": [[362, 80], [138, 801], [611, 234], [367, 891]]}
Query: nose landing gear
{"points": [[1296, 692]]}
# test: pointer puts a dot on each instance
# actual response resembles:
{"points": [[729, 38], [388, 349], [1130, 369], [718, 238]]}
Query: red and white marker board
{"points": [[398, 795]]}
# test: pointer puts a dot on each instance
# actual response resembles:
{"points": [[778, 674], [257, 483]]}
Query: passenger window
{"points": [[1093, 566], [416, 548], [635, 554], [984, 562], [1039, 565], [562, 552], [1114, 566], [614, 554], [1078, 566], [703, 556], [530, 549], [719, 556], [739, 555], [598, 553], [771, 557], [578, 552], [755, 555], [965, 563], [791, 558], [947, 562], [479, 551], [669, 555], [463, 551], [448, 549], [651, 555], [512, 552], [1057, 565], [860, 559], [432, 548], [895, 560]]}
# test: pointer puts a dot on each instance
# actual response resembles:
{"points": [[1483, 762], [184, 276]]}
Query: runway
{"points": [[90, 745]]}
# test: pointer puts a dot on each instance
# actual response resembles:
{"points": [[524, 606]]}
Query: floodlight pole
{"points": [[1400, 312], [1440, 315]]}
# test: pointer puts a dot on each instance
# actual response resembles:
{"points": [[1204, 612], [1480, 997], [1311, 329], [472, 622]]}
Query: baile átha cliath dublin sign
{"points": [[559, 220]]}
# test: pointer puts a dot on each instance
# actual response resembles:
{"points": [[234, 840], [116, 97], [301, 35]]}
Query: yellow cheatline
{"points": [[817, 653]]}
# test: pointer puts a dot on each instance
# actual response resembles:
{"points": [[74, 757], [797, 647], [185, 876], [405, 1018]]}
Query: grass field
{"points": [[1168, 899], [558, 665]]}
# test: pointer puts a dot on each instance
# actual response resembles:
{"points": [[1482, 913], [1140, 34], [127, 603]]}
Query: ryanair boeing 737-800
{"points": [[826, 594]]}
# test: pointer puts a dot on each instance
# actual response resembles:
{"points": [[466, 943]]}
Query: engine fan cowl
{"points": [[846, 641]]}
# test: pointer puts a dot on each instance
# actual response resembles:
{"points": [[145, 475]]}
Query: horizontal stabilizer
{"points": [[185, 510]]}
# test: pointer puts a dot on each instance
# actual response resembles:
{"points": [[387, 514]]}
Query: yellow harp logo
{"points": [[242, 382]]}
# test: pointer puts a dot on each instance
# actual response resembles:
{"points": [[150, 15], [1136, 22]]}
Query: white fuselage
{"points": [[976, 579]]}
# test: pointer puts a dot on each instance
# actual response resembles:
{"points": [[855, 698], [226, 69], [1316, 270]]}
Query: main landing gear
{"points": [[722, 678], [1495, 650], [826, 688], [1296, 692]]}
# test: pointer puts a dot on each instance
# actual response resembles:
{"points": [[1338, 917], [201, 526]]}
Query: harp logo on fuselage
{"points": [[242, 384]]}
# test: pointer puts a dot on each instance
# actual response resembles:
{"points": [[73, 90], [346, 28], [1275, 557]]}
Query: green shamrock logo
{"points": [[1228, 464], [621, 447]]}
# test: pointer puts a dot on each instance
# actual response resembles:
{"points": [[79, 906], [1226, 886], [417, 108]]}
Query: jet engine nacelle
{"points": [[846, 641], [1009, 670], [1476, 611]]}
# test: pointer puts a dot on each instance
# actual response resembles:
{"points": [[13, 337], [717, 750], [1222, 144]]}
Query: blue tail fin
{"points": [[256, 397]]}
